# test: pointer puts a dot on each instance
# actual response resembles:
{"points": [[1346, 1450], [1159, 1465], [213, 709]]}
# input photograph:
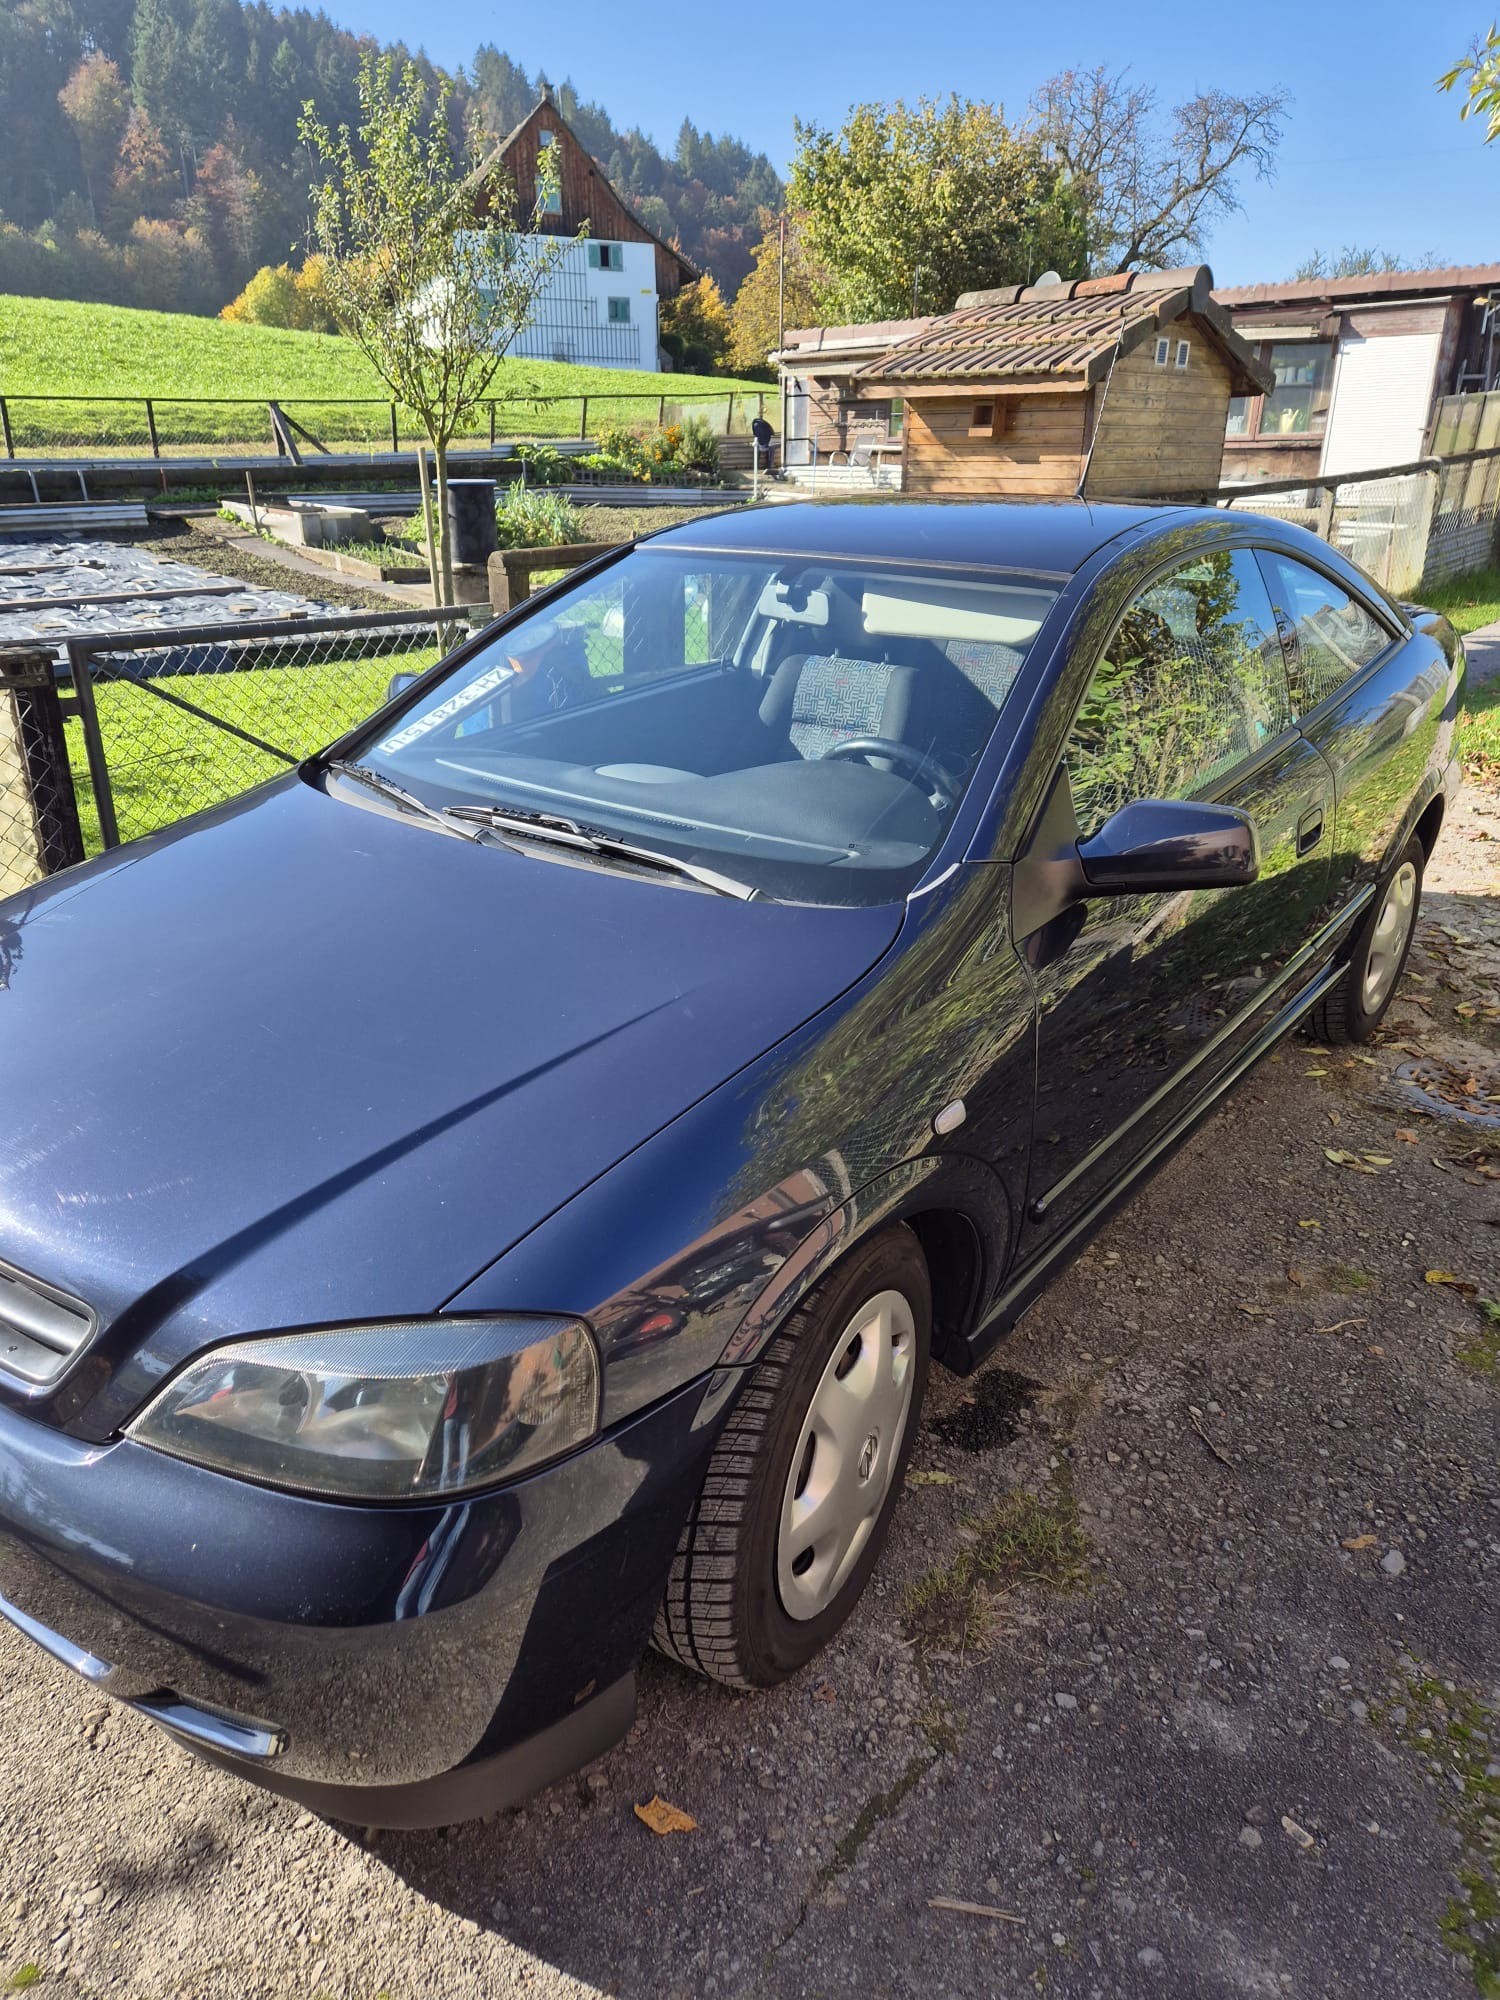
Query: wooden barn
{"points": [[599, 305], [1118, 388]]}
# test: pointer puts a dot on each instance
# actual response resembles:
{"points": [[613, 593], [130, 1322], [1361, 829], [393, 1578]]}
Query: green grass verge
{"points": [[1468, 602], [56, 347]]}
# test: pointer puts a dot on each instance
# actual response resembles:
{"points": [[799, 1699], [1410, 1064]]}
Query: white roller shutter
{"points": [[1382, 395]]}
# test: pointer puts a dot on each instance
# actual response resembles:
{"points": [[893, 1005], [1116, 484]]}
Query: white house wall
{"points": [[570, 319]]}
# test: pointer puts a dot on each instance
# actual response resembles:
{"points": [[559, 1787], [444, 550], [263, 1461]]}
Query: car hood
{"points": [[308, 1060]]}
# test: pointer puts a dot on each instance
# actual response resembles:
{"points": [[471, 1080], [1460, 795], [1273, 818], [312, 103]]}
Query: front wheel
{"points": [[1356, 1006], [802, 1484]]}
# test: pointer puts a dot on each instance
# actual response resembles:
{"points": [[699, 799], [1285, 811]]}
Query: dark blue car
{"points": [[490, 1198]]}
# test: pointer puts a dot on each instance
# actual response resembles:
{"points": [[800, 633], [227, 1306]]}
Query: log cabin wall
{"points": [[1161, 429], [587, 197], [1034, 448]]}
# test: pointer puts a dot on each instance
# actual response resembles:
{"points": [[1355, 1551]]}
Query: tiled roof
{"points": [[1372, 285], [1068, 333]]}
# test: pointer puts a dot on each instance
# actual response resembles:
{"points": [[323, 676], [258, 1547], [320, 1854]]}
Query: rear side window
{"points": [[1330, 635], [1191, 685]]}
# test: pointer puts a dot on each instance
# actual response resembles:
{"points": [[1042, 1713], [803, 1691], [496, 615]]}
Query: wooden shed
{"points": [[1116, 388]]}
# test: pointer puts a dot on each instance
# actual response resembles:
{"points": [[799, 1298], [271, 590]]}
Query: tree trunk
{"points": [[445, 543]]}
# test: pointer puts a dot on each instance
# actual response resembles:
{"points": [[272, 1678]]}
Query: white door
{"points": [[1382, 396], [794, 444]]}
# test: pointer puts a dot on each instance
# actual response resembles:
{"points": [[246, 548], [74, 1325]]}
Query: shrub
{"points": [[545, 466], [532, 518]]}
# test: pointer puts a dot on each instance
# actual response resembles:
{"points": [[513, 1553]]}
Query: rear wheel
{"points": [[802, 1485], [1354, 1009]]}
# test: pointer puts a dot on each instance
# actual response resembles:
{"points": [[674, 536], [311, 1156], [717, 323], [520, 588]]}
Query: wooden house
{"points": [[600, 302], [1116, 388]]}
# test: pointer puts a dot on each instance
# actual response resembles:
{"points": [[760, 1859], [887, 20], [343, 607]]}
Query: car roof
{"points": [[1053, 537]]}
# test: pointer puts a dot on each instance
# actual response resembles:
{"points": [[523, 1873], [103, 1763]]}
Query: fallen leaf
{"points": [[1357, 1542], [1377, 1159], [664, 1819], [1334, 1118], [1340, 1324], [1315, 1072], [825, 1691], [1294, 1276], [1405, 1135], [1338, 1158], [1456, 1284], [930, 1479], [1309, 1224], [1374, 1350], [1298, 1833]]}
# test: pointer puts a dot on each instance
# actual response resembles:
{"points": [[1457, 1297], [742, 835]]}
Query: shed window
{"points": [[1298, 404], [1163, 352], [606, 256], [1184, 349], [619, 312], [982, 420], [895, 422]]}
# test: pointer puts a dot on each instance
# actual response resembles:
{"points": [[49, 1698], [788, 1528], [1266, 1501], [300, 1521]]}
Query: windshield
{"points": [[804, 726]]}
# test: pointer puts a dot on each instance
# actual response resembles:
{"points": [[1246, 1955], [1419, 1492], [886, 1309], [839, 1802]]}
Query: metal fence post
{"points": [[151, 429], [583, 418], [395, 433], [27, 675], [10, 443], [93, 742]]}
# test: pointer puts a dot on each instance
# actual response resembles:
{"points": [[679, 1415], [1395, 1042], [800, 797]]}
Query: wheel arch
{"points": [[958, 1209]]}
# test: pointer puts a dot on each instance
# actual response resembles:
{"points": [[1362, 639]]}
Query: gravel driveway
{"points": [[1181, 1662]]}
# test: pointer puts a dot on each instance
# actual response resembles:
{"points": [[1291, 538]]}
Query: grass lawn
{"points": [[55, 347], [165, 763], [1469, 602]]}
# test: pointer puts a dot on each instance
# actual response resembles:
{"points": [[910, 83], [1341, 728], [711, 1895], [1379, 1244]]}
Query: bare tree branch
{"points": [[1149, 195]]}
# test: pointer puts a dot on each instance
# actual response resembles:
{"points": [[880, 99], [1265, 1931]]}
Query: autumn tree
{"points": [[906, 206], [1478, 77], [96, 104], [695, 327], [1148, 188], [426, 263], [143, 181], [762, 306]]}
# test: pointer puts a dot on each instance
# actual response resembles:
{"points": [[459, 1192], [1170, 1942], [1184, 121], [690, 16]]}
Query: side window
{"points": [[1191, 684], [1329, 635]]}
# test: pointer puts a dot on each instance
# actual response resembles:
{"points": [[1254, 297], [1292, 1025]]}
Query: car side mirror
{"points": [[1163, 845], [399, 683]]}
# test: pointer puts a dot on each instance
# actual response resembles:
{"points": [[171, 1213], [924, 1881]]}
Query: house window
{"points": [[982, 420], [619, 312], [606, 256], [1298, 404], [895, 421], [1163, 352], [549, 198], [1184, 349]]}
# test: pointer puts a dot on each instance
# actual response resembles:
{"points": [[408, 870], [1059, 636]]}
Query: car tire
{"points": [[1356, 1006], [805, 1477]]}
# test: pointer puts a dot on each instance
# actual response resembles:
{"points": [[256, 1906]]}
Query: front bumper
{"points": [[398, 1665]]}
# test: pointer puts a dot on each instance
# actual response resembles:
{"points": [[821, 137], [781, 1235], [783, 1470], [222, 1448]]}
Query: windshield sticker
{"points": [[487, 684]]}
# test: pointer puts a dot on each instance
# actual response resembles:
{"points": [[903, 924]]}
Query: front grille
{"points": [[41, 1329]]}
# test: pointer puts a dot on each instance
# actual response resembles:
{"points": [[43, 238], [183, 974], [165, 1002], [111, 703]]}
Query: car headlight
{"points": [[412, 1410]]}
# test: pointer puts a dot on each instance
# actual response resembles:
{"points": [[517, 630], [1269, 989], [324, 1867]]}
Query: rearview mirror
{"points": [[1162, 845], [399, 683]]}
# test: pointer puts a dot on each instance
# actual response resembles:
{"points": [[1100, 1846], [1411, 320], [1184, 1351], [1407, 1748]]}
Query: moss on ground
{"points": [[1024, 1539]]}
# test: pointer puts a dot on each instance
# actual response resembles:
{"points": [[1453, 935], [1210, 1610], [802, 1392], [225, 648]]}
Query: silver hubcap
{"points": [[846, 1456], [1388, 942]]}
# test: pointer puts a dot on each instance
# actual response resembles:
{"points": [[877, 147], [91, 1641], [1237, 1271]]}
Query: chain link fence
{"points": [[49, 428], [39, 829], [169, 723]]}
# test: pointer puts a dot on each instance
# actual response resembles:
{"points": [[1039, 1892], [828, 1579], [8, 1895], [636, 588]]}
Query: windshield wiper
{"points": [[398, 794], [564, 832]]}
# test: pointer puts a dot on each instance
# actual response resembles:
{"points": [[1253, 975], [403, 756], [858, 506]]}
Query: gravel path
{"points": [[1178, 1585]]}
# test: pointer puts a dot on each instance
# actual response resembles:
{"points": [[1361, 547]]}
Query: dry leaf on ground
{"points": [[663, 1818]]}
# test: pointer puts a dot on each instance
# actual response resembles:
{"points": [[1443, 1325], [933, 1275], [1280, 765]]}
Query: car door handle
{"points": [[1309, 830]]}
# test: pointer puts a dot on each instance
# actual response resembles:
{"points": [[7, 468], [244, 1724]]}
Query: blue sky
{"points": [[1371, 153]]}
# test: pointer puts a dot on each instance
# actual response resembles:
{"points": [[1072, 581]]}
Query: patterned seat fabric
{"points": [[986, 665], [835, 699]]}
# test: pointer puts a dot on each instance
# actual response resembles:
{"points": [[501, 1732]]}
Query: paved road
{"points": [[1178, 1584]]}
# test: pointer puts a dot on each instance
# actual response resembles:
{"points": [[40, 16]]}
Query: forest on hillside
{"points": [[151, 154]]}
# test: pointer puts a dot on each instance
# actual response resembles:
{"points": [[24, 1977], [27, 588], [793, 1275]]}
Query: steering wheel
{"points": [[920, 766]]}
